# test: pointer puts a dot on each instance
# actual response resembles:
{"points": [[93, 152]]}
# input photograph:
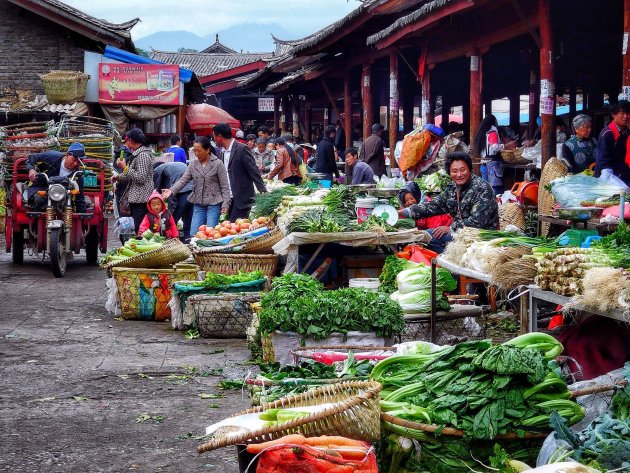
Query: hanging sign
{"points": [[547, 97], [474, 63], [265, 104], [139, 84]]}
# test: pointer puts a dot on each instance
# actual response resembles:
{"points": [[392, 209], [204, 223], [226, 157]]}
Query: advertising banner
{"points": [[138, 84]]}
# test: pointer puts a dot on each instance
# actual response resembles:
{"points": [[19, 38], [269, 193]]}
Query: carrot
{"points": [[295, 439], [350, 453], [334, 440]]}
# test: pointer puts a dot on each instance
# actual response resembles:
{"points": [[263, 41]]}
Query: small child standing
{"points": [[159, 220]]}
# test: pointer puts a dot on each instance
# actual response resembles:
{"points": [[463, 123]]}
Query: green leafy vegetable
{"points": [[392, 267], [214, 280], [266, 203]]}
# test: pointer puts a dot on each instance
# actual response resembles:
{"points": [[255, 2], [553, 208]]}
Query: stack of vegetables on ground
{"points": [[275, 382], [298, 303], [221, 281], [133, 247], [605, 443], [414, 289], [481, 389]]}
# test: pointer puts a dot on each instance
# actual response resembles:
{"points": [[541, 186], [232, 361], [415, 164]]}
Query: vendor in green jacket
{"points": [[468, 199]]}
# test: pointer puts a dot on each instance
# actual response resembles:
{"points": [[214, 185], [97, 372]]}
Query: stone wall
{"points": [[31, 45]]}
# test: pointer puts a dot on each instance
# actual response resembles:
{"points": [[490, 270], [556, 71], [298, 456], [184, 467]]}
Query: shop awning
{"points": [[129, 58]]}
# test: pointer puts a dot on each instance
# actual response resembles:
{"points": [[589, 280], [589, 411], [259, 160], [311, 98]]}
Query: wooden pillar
{"points": [[547, 85], [366, 100], [573, 101], [393, 101], [307, 123], [407, 106], [475, 98], [286, 110], [181, 120], [625, 84], [295, 130], [326, 117], [347, 110], [533, 104], [515, 112], [427, 110], [276, 113], [446, 113]]}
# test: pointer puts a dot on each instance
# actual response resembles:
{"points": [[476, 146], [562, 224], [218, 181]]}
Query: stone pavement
{"points": [[81, 391]]}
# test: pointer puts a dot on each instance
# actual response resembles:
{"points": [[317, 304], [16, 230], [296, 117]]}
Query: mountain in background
{"points": [[251, 37]]}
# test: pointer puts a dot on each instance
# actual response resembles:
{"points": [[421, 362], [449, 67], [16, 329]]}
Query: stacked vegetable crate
{"points": [[99, 138], [20, 141]]}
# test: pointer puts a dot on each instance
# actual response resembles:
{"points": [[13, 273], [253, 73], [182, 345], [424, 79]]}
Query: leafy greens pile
{"points": [[214, 280], [266, 203], [298, 303], [393, 265]]}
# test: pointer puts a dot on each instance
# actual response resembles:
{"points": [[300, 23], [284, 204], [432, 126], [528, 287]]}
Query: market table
{"points": [[537, 294], [416, 324], [290, 245], [592, 224]]}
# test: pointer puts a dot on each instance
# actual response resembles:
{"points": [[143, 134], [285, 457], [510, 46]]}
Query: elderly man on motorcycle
{"points": [[54, 163]]}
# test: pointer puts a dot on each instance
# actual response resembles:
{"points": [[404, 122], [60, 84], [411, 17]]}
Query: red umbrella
{"points": [[202, 117]]}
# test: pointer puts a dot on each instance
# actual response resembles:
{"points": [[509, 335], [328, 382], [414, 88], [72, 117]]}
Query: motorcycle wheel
{"points": [[57, 252], [91, 247], [17, 247]]}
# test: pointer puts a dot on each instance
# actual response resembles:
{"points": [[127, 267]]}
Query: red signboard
{"points": [[140, 84]]}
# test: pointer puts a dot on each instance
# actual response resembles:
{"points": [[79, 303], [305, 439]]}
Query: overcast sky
{"points": [[202, 17]]}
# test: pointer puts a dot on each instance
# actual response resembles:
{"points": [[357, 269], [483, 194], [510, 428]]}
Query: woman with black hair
{"points": [[488, 145], [468, 199]]}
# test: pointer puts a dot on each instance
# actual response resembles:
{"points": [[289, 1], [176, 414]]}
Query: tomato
{"points": [[233, 232], [201, 236], [245, 226], [224, 231], [239, 221], [217, 227], [217, 235], [202, 228], [227, 224], [236, 227], [246, 220]]}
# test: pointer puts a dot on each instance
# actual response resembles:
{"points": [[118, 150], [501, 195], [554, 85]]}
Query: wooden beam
{"points": [[276, 112], [626, 52], [533, 103], [347, 110], [393, 104], [427, 109], [427, 20], [547, 85], [367, 100], [285, 114], [222, 86], [333, 102], [530, 27], [475, 96], [236, 71]]}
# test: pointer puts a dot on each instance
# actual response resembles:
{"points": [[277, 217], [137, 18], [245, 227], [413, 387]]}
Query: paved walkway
{"points": [[81, 391]]}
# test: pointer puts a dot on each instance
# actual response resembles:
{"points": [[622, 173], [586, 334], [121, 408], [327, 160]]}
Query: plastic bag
{"points": [[124, 226], [414, 149], [112, 305], [572, 190]]}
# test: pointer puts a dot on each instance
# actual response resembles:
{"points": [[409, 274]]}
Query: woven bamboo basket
{"points": [[553, 170], [354, 414], [511, 214], [223, 315], [172, 252], [226, 263], [65, 86], [514, 156], [259, 245]]}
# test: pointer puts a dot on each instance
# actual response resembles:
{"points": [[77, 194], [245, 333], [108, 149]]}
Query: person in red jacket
{"points": [[409, 195], [159, 220]]}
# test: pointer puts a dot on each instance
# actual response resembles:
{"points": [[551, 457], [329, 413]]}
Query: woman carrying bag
{"points": [[489, 146], [287, 167], [210, 193]]}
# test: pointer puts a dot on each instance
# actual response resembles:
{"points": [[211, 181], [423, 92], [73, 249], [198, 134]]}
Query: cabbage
{"points": [[416, 279], [419, 302]]}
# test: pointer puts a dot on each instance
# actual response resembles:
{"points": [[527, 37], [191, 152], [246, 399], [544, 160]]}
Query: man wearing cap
{"points": [[372, 151], [54, 163]]}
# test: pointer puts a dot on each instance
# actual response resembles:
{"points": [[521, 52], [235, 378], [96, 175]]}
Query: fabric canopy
{"points": [[203, 116]]}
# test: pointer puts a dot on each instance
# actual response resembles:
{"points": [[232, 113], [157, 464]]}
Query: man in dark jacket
{"points": [[54, 163], [613, 156], [242, 171], [372, 151], [326, 162], [165, 176], [340, 139]]}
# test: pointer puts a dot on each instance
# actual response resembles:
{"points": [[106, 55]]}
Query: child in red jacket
{"points": [[159, 220]]}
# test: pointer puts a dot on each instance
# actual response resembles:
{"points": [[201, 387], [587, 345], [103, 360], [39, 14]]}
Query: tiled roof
{"points": [[60, 9], [204, 64], [218, 47]]}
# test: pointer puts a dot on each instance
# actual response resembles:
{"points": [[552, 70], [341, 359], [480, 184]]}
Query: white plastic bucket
{"points": [[367, 283], [364, 207]]}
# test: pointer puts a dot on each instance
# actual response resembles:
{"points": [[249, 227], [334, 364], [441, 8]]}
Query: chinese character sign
{"points": [[140, 84], [265, 104]]}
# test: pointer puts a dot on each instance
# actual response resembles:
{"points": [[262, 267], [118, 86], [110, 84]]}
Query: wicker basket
{"points": [[223, 315], [144, 293], [511, 214], [65, 86], [514, 156], [355, 414], [171, 252], [259, 245], [221, 263], [554, 169]]}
